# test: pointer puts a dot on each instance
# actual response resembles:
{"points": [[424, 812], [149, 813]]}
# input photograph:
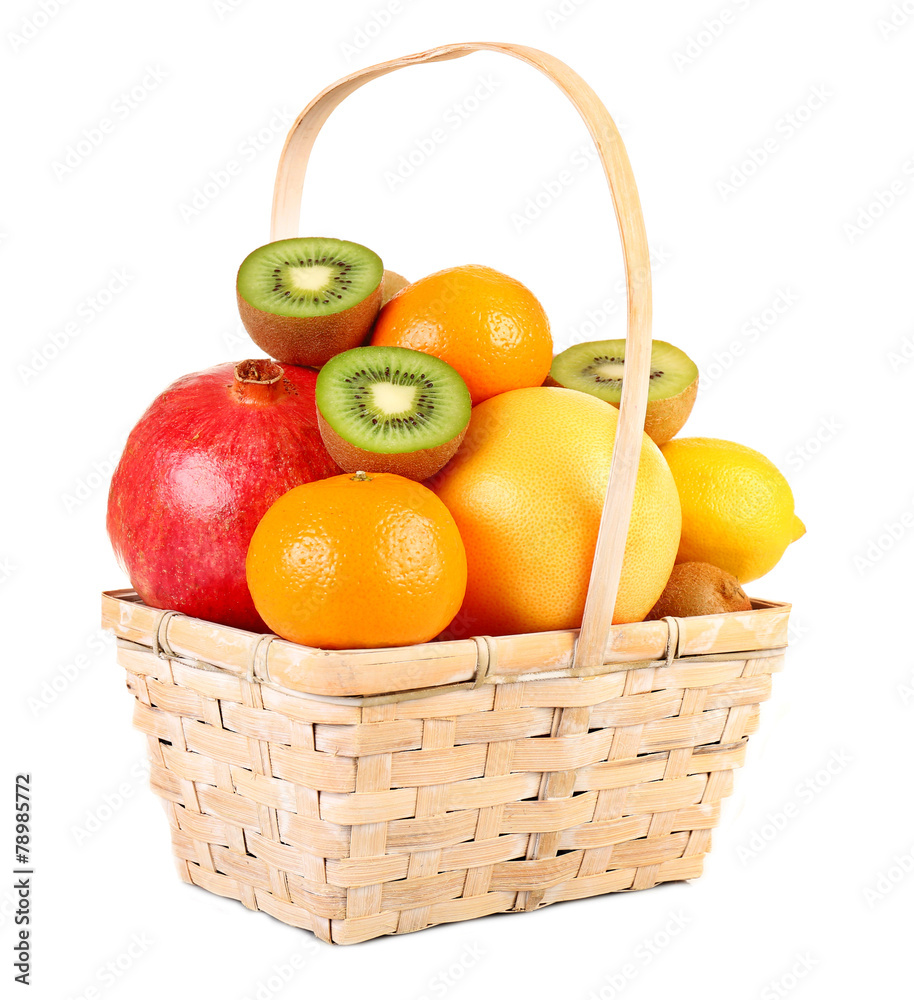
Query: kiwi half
{"points": [[306, 299], [599, 366], [391, 409]]}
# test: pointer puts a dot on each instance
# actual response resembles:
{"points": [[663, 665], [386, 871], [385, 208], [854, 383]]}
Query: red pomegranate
{"points": [[199, 470]]}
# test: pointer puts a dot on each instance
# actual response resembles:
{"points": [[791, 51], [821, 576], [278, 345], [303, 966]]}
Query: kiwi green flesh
{"points": [[308, 276], [419, 465], [391, 400], [598, 367]]}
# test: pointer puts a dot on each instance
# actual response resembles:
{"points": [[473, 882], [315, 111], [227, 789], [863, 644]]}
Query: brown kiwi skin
{"points": [[696, 588], [391, 283], [310, 341], [418, 465], [665, 418]]}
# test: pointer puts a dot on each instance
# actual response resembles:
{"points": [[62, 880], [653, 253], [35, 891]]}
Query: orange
{"points": [[526, 490], [357, 561], [488, 326]]}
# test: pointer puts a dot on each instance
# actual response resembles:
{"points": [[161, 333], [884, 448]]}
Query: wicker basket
{"points": [[369, 792]]}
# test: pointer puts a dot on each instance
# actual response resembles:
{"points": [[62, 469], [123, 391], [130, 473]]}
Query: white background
{"points": [[807, 891]]}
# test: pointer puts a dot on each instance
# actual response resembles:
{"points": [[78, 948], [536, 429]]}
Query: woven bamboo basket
{"points": [[368, 792]]}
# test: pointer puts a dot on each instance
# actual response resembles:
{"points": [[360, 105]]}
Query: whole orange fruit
{"points": [[357, 561], [490, 327], [526, 490]]}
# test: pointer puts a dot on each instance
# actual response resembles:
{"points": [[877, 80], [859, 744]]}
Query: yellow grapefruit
{"points": [[526, 490]]}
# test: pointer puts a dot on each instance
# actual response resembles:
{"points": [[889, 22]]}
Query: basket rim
{"points": [[436, 667]]}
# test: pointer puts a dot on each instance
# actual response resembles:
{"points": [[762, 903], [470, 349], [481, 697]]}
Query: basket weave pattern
{"points": [[355, 820]]}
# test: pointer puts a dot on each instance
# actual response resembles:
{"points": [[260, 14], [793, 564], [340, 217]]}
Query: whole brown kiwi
{"points": [[391, 283], [697, 588]]}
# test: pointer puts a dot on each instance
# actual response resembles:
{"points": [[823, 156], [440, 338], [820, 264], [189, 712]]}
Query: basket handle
{"points": [[610, 548]]}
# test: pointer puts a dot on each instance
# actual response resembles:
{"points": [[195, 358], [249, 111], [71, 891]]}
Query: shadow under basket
{"points": [[303, 784]]}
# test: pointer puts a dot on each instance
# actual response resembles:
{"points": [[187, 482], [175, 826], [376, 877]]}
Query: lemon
{"points": [[737, 508]]}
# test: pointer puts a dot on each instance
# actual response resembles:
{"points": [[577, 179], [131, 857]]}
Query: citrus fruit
{"points": [[490, 327], [357, 561], [526, 489], [737, 509]]}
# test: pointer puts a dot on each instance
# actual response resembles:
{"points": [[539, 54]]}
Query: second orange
{"points": [[487, 325]]}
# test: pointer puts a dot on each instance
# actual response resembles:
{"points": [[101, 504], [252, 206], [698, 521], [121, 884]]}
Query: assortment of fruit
{"points": [[440, 476]]}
